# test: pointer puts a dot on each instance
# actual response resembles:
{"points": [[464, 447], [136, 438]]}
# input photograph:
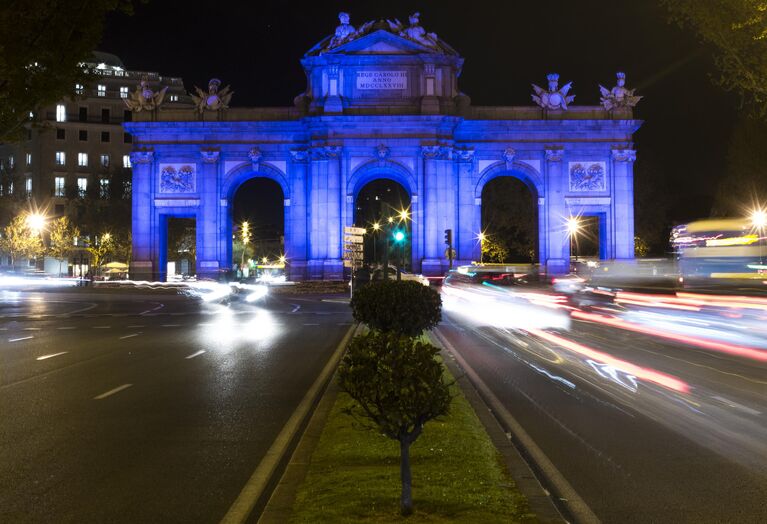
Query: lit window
{"points": [[104, 188], [79, 89], [82, 186], [126, 161], [104, 160], [82, 159], [58, 186], [29, 159], [101, 90], [61, 158], [174, 98], [127, 188], [10, 187], [11, 162], [123, 92], [31, 115], [61, 113], [28, 186]]}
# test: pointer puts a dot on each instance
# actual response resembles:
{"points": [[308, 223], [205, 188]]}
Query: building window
{"points": [[61, 113], [83, 115], [61, 158], [59, 184], [28, 186], [31, 115], [105, 136], [10, 187], [105, 116], [79, 89], [83, 135], [104, 188], [127, 189], [61, 134], [123, 92], [82, 186], [82, 159], [29, 159], [104, 160], [11, 162], [127, 138], [174, 98], [101, 90], [126, 161], [127, 116]]}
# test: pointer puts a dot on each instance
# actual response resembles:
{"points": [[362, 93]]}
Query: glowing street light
{"points": [[36, 222], [376, 226], [404, 215], [759, 218], [573, 227], [264, 260], [399, 236], [481, 237], [283, 259], [390, 220]]}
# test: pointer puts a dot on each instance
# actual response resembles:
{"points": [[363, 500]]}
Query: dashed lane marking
{"points": [[46, 357], [136, 326], [311, 324], [112, 391], [32, 329], [129, 336], [197, 354], [66, 327], [20, 339], [101, 327]]}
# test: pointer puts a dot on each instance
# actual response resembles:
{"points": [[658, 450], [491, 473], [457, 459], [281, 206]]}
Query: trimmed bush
{"points": [[406, 307]]}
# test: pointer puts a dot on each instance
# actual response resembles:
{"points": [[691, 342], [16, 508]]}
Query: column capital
{"points": [[624, 155], [299, 156], [141, 156], [325, 152], [464, 155], [210, 155], [554, 154], [437, 152]]}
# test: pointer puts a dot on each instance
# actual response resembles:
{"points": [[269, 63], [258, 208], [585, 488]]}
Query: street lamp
{"points": [[399, 238], [376, 229], [36, 222], [573, 227], [758, 222], [481, 237]]}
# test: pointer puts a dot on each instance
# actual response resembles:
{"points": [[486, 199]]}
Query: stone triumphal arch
{"points": [[382, 101]]}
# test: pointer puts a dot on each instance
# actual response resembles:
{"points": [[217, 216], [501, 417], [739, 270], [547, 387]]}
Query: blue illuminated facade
{"points": [[382, 101]]}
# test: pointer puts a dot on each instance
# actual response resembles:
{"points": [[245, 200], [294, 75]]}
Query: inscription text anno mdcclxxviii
{"points": [[381, 79]]}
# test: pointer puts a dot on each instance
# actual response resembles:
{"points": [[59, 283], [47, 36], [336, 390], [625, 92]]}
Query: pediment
{"points": [[380, 42]]}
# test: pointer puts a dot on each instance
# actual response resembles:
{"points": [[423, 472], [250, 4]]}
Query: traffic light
{"points": [[399, 236], [449, 237]]}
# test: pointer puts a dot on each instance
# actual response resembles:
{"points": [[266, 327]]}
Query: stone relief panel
{"points": [[587, 176], [177, 178]]}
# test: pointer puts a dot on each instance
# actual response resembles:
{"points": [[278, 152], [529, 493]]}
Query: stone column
{"points": [[440, 207], [145, 234], [208, 259], [469, 213], [623, 203], [333, 267], [325, 214], [555, 234], [296, 251]]}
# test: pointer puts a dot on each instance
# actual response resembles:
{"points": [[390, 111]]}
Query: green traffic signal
{"points": [[399, 236]]}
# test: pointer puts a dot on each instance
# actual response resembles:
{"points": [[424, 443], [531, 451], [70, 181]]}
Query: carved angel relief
{"points": [[213, 100], [554, 97], [144, 99]]}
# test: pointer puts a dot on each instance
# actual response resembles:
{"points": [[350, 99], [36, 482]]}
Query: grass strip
{"points": [[458, 475]]}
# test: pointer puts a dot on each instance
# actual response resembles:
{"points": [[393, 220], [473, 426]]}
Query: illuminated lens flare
{"points": [[35, 221], [573, 225], [759, 218]]}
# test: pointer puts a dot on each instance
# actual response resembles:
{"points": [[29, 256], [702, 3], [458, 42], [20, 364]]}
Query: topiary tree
{"points": [[406, 307], [398, 386]]}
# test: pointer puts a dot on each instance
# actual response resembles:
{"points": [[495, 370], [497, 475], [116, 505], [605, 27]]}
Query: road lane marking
{"points": [[311, 324], [129, 336], [296, 307], [20, 339], [153, 309], [195, 354], [31, 329], [66, 327], [112, 391], [101, 327], [45, 357], [136, 326], [251, 492]]}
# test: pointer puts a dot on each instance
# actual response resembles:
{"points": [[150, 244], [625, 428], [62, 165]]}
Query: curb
{"points": [[550, 495], [266, 472]]}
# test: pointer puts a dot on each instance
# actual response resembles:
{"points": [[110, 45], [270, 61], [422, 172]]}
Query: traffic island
{"points": [[458, 474]]}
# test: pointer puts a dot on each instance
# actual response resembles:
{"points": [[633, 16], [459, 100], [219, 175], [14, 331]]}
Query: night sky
{"points": [[256, 48]]}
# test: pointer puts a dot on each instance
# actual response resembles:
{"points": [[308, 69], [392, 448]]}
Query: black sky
{"points": [[256, 47]]}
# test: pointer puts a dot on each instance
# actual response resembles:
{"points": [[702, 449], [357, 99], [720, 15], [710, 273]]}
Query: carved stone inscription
{"points": [[381, 79]]}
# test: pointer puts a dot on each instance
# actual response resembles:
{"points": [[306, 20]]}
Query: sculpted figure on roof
{"points": [[144, 99], [344, 32], [619, 96]]}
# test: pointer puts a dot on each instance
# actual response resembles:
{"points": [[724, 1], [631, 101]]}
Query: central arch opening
{"points": [[258, 228], [509, 222], [383, 202]]}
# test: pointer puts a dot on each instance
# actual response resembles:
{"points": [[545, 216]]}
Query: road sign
{"points": [[355, 239], [348, 263], [349, 230], [353, 247]]}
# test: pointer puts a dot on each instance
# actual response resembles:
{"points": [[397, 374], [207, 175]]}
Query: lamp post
{"points": [[399, 238], [758, 222], [573, 226], [376, 229], [481, 237]]}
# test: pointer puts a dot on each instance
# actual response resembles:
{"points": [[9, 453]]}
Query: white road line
{"points": [[153, 309], [66, 327], [3, 329], [112, 391], [195, 354], [31, 329], [101, 327], [45, 357], [296, 307], [20, 338], [129, 336]]}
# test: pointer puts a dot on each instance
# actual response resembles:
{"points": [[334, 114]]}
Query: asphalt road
{"points": [[147, 408], [680, 437]]}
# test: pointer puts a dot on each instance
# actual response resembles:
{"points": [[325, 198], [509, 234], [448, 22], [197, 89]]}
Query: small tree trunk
{"points": [[406, 498]]}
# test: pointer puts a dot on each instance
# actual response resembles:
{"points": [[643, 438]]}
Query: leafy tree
{"points": [[737, 29], [406, 307], [99, 249], [508, 217], [42, 44], [19, 241], [62, 234], [398, 386], [641, 249], [652, 203], [494, 250]]}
